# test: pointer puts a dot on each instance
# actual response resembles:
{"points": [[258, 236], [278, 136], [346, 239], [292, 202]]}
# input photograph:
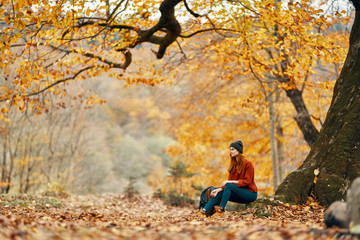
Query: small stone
{"points": [[336, 215]]}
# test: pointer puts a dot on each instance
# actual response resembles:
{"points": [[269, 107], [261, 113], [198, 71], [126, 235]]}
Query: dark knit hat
{"points": [[238, 145]]}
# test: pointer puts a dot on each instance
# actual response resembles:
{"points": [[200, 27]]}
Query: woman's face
{"points": [[234, 152]]}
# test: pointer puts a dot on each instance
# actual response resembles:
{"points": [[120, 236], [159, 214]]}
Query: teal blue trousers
{"points": [[231, 193]]}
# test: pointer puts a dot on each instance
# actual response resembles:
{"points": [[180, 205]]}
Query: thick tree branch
{"points": [[167, 21], [124, 65], [105, 25]]}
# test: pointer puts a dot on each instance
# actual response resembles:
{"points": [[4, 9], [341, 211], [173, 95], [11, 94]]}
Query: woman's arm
{"points": [[229, 181]]}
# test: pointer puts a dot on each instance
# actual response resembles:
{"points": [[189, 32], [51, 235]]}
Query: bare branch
{"points": [[112, 65], [246, 7], [112, 17], [124, 65], [207, 30], [191, 11], [317, 119], [60, 81]]}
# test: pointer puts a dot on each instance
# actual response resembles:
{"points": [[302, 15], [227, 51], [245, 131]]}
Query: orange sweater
{"points": [[245, 178]]}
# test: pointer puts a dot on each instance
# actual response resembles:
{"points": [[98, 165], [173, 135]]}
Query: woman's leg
{"points": [[235, 194], [213, 200]]}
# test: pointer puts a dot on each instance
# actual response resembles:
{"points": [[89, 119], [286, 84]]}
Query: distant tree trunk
{"points": [[273, 140], [336, 151], [280, 140], [3, 164]]}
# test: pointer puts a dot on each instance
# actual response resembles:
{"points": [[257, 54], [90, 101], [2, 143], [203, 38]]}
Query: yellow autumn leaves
{"points": [[225, 73]]}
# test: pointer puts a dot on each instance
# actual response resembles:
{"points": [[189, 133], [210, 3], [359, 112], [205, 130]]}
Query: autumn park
{"points": [[179, 119]]}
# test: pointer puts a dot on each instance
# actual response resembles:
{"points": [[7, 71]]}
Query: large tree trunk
{"points": [[336, 151]]}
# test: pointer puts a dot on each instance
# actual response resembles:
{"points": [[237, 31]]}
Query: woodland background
{"points": [[164, 125]]}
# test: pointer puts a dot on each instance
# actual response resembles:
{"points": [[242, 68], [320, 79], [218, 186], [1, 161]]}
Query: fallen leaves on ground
{"points": [[112, 216]]}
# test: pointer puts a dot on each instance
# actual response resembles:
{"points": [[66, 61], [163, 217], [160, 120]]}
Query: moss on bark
{"points": [[329, 187], [299, 183]]}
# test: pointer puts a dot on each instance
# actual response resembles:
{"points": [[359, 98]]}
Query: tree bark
{"points": [[303, 118], [336, 151], [273, 141], [280, 141]]}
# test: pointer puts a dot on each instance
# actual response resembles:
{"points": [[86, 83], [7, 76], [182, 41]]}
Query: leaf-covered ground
{"points": [[116, 217]]}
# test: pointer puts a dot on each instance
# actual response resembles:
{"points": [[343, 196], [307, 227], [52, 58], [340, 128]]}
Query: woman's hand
{"points": [[215, 192]]}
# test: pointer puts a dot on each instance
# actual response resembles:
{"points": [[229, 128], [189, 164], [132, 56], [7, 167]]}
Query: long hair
{"points": [[236, 164]]}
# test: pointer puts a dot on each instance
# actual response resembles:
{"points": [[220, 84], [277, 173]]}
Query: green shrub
{"points": [[158, 194], [174, 199], [130, 190]]}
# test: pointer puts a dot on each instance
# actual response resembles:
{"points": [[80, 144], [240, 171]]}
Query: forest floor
{"points": [[113, 216]]}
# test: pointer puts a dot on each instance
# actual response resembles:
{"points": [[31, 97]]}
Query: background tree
{"points": [[39, 151], [223, 107], [335, 154]]}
